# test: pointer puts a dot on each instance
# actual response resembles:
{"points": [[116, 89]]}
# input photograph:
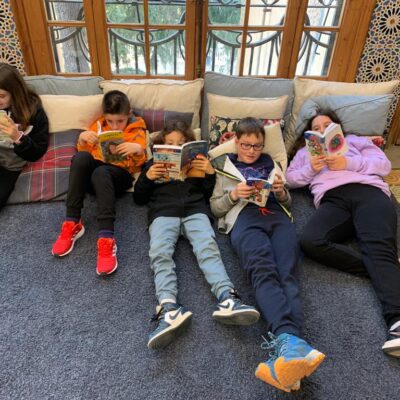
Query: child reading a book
{"points": [[24, 128], [353, 201], [265, 240], [89, 173], [179, 208]]}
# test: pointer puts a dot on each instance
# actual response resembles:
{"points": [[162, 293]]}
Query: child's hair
{"points": [[249, 126], [175, 126], [300, 141], [24, 102], [116, 102]]}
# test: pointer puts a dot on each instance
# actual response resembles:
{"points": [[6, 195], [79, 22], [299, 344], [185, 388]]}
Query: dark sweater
{"points": [[32, 146], [174, 199]]}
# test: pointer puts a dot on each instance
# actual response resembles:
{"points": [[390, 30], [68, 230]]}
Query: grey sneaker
{"points": [[392, 345], [231, 310], [171, 319]]}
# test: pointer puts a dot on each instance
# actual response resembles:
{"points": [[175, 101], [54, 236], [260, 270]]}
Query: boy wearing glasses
{"points": [[265, 240]]}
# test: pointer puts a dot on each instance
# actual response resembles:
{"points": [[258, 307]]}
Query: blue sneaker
{"points": [[291, 359], [231, 310], [392, 345], [171, 319]]}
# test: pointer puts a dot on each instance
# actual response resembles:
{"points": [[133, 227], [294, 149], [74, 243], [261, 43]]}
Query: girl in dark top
{"points": [[24, 128]]}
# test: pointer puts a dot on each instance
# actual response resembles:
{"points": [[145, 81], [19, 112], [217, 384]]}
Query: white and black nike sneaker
{"points": [[392, 345], [171, 319], [231, 310]]}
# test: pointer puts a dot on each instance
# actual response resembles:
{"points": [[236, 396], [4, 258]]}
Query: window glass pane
{"points": [[167, 52], [262, 53], [223, 50], [127, 51], [315, 53], [324, 13], [71, 10], [125, 11], [70, 49], [267, 12], [167, 12], [223, 12]]}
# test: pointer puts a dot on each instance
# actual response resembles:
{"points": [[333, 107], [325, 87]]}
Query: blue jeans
{"points": [[164, 233]]}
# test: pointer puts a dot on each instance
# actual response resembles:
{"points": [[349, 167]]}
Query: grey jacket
{"points": [[222, 206]]}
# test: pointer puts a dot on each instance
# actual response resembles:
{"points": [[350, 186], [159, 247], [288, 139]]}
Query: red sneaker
{"points": [[70, 233], [106, 256]]}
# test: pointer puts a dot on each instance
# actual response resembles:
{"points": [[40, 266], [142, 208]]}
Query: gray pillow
{"points": [[235, 86], [362, 115], [77, 86]]}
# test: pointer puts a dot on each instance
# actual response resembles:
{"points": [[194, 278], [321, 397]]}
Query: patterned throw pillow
{"points": [[156, 119], [47, 178], [223, 129]]}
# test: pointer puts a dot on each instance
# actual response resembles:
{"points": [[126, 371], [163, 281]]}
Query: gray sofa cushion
{"points": [[235, 86], [78, 86], [362, 115]]}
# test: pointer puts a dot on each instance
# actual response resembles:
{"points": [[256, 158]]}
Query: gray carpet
{"points": [[67, 334]]}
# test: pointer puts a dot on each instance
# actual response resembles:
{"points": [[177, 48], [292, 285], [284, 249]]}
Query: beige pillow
{"points": [[161, 94], [307, 88], [71, 112], [273, 145], [241, 107]]}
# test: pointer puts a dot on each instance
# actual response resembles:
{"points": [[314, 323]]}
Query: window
{"points": [[183, 39]]}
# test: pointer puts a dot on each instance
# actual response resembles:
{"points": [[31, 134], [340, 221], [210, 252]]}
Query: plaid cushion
{"points": [[47, 178], [156, 119], [223, 129]]}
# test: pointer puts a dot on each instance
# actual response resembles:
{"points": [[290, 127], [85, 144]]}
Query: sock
{"points": [[74, 219], [167, 301], [106, 233]]}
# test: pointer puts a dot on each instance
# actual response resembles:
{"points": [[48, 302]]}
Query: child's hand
{"points": [[126, 149], [278, 188], [88, 137], [318, 163], [202, 163], [8, 127], [242, 191], [336, 163], [156, 171]]}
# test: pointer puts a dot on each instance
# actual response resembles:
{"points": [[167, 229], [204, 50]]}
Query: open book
{"points": [[331, 142], [262, 188], [177, 159], [108, 143]]}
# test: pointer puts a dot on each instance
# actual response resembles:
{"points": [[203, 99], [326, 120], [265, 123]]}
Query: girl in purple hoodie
{"points": [[352, 201]]}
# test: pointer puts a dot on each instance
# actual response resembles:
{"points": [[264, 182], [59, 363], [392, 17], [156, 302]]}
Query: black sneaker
{"points": [[392, 345], [230, 310], [171, 319]]}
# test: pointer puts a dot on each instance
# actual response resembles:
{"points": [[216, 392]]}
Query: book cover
{"points": [[177, 159], [331, 142], [108, 142], [262, 188]]}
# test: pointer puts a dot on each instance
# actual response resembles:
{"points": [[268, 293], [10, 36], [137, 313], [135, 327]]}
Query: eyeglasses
{"points": [[248, 146]]}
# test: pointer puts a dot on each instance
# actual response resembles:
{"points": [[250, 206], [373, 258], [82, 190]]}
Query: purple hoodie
{"points": [[366, 164]]}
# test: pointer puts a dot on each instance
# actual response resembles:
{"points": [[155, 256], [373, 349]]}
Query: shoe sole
{"points": [[77, 236], [245, 317], [290, 372], [393, 350], [107, 273], [164, 338]]}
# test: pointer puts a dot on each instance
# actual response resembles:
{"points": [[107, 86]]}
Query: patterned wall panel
{"points": [[380, 60], [10, 49]]}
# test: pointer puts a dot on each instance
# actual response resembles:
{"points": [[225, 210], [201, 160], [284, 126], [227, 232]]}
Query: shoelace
{"points": [[273, 345], [67, 229], [106, 247], [235, 296]]}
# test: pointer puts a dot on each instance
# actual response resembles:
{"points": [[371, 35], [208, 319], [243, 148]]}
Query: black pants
{"points": [[105, 181], [7, 184], [267, 247], [366, 213]]}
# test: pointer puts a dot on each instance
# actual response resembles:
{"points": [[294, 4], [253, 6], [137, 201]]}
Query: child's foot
{"points": [[392, 345], [231, 310], [70, 232], [171, 320], [291, 359], [106, 256]]}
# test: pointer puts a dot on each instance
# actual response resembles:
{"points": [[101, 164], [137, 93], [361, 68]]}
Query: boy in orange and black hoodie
{"points": [[89, 173]]}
